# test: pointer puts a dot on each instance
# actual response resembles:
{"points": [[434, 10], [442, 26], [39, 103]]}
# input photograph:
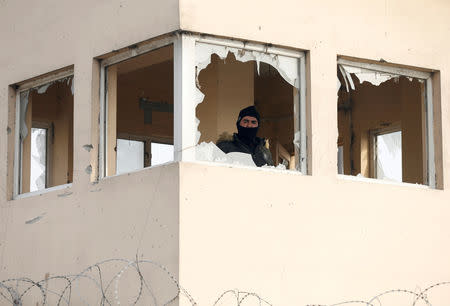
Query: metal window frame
{"points": [[188, 43], [18, 154], [185, 127], [48, 127], [104, 64]]}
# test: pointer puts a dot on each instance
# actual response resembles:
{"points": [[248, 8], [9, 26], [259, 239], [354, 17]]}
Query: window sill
{"points": [[137, 170], [381, 182], [237, 166], [41, 192]]}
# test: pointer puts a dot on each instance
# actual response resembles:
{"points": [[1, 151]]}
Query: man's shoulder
{"points": [[226, 142], [225, 137], [260, 141]]}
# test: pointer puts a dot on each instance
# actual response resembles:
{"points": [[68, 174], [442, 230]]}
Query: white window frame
{"points": [[18, 154], [186, 47], [48, 126], [424, 76]]}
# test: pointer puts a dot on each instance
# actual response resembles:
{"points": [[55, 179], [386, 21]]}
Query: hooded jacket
{"points": [[260, 154]]}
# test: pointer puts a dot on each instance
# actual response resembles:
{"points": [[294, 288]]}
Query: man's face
{"points": [[249, 122]]}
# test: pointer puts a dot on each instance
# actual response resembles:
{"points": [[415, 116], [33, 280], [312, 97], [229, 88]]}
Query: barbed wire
{"points": [[107, 283], [422, 295], [240, 297], [15, 290]]}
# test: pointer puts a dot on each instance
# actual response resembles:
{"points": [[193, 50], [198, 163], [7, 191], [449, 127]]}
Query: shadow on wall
{"points": [[108, 282]]}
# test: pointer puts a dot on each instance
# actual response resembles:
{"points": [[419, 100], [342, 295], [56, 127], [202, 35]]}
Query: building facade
{"points": [[112, 190]]}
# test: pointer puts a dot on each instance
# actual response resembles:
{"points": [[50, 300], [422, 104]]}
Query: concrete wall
{"points": [[402, 32], [119, 217], [131, 216], [321, 238], [309, 240], [306, 239]]}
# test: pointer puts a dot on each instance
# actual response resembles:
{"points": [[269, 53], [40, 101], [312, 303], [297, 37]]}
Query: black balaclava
{"points": [[246, 134]]}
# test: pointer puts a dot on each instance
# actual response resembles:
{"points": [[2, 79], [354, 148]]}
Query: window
{"points": [[137, 108], [161, 153], [44, 133], [39, 153], [130, 155], [388, 156], [386, 122], [232, 75], [135, 153], [177, 94]]}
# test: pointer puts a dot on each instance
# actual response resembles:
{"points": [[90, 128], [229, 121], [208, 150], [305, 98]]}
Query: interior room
{"points": [[230, 85], [46, 134], [382, 128], [140, 111]]}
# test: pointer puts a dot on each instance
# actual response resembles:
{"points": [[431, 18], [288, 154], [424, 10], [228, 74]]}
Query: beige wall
{"points": [[312, 241], [364, 29], [124, 216], [85, 223], [318, 239], [308, 239], [57, 35]]}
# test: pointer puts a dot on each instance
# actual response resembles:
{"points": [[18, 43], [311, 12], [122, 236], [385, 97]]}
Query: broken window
{"points": [[385, 122], [232, 75], [44, 135], [137, 109]]}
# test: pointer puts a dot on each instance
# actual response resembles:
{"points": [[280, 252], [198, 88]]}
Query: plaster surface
{"points": [[292, 239], [308, 240]]}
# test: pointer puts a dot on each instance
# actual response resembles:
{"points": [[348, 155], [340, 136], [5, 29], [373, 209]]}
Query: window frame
{"points": [[300, 100], [184, 65], [424, 75], [20, 88], [373, 143], [147, 144], [48, 126], [132, 52]]}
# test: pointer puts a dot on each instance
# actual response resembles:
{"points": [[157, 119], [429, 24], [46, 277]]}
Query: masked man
{"points": [[245, 139]]}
